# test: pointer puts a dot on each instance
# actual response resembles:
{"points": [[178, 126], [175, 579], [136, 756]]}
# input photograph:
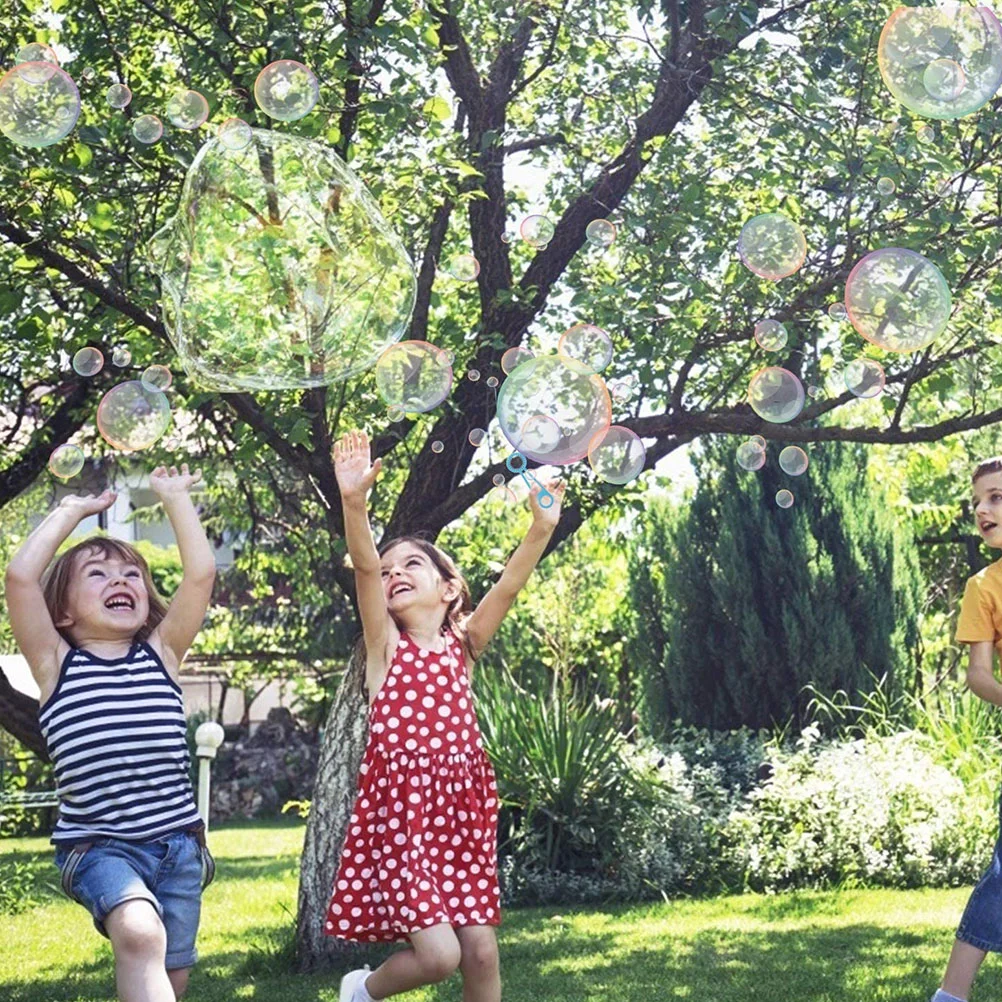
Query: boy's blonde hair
{"points": [[56, 583], [986, 466], [460, 607]]}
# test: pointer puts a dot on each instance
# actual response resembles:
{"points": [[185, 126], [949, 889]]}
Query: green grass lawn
{"points": [[837, 947]]}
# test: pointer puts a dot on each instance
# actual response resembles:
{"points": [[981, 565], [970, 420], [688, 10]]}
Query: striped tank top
{"points": [[115, 732]]}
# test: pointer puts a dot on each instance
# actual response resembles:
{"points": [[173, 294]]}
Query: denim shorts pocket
{"points": [[208, 867], [69, 868]]}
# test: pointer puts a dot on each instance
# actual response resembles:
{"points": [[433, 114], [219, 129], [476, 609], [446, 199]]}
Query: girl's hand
{"points": [[82, 505], [547, 517], [169, 483], [353, 467]]}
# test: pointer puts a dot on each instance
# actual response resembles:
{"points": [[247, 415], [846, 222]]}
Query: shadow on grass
{"points": [[255, 867]]}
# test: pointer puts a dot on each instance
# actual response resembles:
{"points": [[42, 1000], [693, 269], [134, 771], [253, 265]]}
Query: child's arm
{"points": [[355, 476], [494, 606], [980, 677], [34, 631], [187, 608]]}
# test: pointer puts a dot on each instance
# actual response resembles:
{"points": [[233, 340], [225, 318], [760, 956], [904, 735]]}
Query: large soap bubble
{"points": [[39, 104], [279, 270], [618, 455], [563, 390], [131, 417], [897, 299], [414, 376], [772, 245], [776, 394], [286, 90], [589, 344], [943, 61]]}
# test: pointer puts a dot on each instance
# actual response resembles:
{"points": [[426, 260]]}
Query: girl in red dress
{"points": [[420, 856]]}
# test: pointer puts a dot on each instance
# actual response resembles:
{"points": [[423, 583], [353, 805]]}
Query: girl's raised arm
{"points": [[34, 631], [355, 475], [488, 615], [187, 608]]}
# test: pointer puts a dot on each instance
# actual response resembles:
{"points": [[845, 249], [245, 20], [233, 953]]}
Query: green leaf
{"points": [[437, 108]]}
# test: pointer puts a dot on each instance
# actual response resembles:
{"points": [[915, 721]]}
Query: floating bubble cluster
{"points": [[776, 394], [897, 299], [187, 110], [279, 271], [772, 245], [131, 417], [414, 376], [618, 455], [66, 461], [770, 335], [39, 104], [587, 344], [943, 61], [563, 390], [793, 460], [286, 90], [864, 377], [88, 362]]}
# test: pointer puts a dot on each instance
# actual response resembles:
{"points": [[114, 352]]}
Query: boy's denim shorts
{"points": [[981, 923], [169, 872]]}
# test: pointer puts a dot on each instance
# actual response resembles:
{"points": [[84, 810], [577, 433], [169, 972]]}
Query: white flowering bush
{"points": [[882, 811]]}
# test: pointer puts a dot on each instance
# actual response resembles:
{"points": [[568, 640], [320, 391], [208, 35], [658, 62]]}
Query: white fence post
{"points": [[208, 737]]}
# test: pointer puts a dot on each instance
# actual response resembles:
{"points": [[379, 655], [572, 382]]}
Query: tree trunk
{"points": [[19, 717], [333, 798]]}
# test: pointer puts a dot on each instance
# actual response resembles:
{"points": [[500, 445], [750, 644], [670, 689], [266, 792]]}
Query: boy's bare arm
{"points": [[980, 675]]}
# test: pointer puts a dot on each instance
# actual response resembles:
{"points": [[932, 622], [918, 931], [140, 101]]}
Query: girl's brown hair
{"points": [[986, 466], [56, 583], [460, 607]]}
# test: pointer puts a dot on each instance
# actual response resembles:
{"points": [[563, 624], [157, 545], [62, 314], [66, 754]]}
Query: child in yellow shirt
{"points": [[980, 626]]}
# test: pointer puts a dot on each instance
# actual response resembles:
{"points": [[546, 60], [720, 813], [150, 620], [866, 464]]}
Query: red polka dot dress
{"points": [[421, 846]]}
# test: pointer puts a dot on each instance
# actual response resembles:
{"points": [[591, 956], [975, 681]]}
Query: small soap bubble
{"points": [[492, 381], [944, 79], [770, 335], [587, 344], [118, 96], [395, 414], [505, 239], [476, 436], [758, 440], [864, 378], [473, 375], [187, 110], [617, 456], [156, 377], [772, 246], [927, 134], [36, 63], [131, 416], [540, 434], [147, 129], [784, 498], [837, 311], [413, 375], [600, 232], [235, 134], [437, 446], [776, 395], [750, 456], [286, 90], [66, 461], [121, 356], [88, 73], [793, 460], [813, 391], [463, 267], [514, 357], [537, 231], [39, 104], [88, 362], [502, 497], [498, 480], [886, 186]]}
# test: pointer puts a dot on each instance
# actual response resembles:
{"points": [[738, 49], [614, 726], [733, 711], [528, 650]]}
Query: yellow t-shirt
{"points": [[981, 609]]}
